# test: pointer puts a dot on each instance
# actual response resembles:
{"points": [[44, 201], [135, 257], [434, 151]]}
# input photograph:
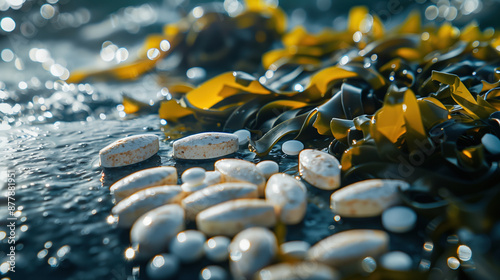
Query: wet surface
{"points": [[63, 201]]}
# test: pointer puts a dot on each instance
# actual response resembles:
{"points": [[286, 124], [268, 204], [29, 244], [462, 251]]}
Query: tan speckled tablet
{"points": [[206, 145], [319, 169], [129, 150]]}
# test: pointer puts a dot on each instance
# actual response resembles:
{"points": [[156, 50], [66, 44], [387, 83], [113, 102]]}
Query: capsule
{"points": [[348, 246], [132, 207], [231, 217], [367, 198], [238, 170], [215, 194], [319, 169], [206, 145], [152, 232], [151, 177], [129, 150]]}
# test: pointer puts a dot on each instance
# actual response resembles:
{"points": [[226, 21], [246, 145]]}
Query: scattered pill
{"points": [[347, 246], [396, 260], [319, 169], [129, 150], [151, 177], [399, 219], [188, 245], [292, 147], [268, 168], [367, 198], [213, 272], [491, 143], [163, 266], [193, 176], [206, 145], [217, 248], [243, 136]]}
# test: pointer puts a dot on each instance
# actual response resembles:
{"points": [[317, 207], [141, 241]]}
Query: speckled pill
{"points": [[129, 150], [206, 145]]}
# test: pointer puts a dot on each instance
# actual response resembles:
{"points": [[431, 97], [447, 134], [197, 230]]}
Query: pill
{"points": [[129, 150], [292, 147]]}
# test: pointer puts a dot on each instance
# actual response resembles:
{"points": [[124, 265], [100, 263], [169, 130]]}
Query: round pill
{"points": [[268, 168], [213, 272], [216, 248], [193, 176], [399, 219], [292, 147], [162, 266], [491, 143], [396, 260], [188, 245], [243, 136]]}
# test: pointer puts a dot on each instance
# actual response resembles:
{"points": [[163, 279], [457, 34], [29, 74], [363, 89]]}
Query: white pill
{"points": [[230, 217], [134, 206], [292, 147], [217, 248], [295, 249], [238, 170], [348, 246], [251, 250], [319, 169], [206, 145], [151, 177], [399, 219], [289, 197], [129, 150], [243, 136], [268, 168], [188, 245], [193, 176], [213, 272], [215, 194], [191, 188], [152, 232], [396, 260], [297, 271], [163, 266], [212, 178], [367, 198], [491, 143]]}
